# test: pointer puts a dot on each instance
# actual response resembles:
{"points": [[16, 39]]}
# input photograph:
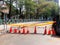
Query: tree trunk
{"points": [[37, 13], [20, 11], [9, 15]]}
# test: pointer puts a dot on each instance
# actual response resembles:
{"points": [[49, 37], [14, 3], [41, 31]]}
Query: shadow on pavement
{"points": [[56, 36], [29, 33]]}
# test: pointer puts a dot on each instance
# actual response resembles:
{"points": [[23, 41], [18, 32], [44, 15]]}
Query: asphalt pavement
{"points": [[28, 39]]}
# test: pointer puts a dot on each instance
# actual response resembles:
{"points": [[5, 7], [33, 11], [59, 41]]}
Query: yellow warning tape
{"points": [[38, 24]]}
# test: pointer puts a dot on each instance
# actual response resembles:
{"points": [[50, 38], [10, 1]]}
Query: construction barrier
{"points": [[22, 30], [33, 24], [35, 30], [49, 32]]}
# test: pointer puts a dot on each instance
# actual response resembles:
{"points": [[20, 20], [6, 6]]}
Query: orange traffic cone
{"points": [[27, 31], [19, 31], [15, 30], [23, 31], [53, 31], [45, 31], [49, 32], [35, 30], [10, 30]]}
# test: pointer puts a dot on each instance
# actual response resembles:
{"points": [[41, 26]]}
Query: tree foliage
{"points": [[34, 9]]}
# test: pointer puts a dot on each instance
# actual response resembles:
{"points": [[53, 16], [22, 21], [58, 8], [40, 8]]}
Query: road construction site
{"points": [[30, 34], [40, 26]]}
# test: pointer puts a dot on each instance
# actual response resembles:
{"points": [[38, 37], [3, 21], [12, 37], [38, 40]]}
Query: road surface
{"points": [[28, 39]]}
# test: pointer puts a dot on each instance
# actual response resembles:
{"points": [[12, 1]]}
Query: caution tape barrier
{"points": [[34, 24]]}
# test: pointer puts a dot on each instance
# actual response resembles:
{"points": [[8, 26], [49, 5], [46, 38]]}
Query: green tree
{"points": [[30, 7], [12, 9], [34, 9], [46, 8], [20, 5]]}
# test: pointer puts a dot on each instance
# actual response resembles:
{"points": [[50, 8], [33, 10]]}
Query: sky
{"points": [[59, 2]]}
